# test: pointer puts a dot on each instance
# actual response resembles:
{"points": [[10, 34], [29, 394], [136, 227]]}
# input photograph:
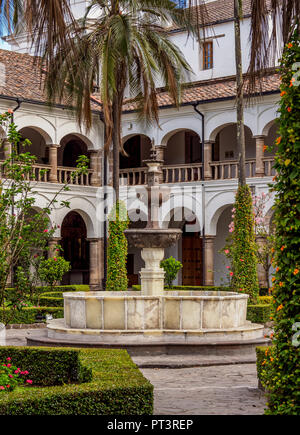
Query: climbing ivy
{"points": [[243, 248], [117, 249]]}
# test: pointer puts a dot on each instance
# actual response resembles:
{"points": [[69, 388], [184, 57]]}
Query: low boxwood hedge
{"points": [[48, 367], [188, 288], [48, 301], [117, 388], [265, 300], [260, 313], [27, 316], [10, 292]]}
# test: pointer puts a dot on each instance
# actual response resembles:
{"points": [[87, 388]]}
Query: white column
{"points": [[95, 164]]}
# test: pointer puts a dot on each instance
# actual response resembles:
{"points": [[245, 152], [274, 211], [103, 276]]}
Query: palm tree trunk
{"points": [[240, 94], [116, 147]]}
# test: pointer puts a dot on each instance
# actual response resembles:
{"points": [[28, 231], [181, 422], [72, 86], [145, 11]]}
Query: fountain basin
{"points": [[152, 238], [130, 311]]}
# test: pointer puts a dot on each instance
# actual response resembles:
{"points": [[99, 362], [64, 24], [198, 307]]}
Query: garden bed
{"points": [[117, 386]]}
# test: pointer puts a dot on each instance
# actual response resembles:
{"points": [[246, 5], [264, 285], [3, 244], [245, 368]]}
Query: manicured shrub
{"points": [[117, 388], [117, 249], [284, 384], [171, 268], [190, 288], [259, 313], [51, 301], [49, 367], [243, 248], [266, 300], [27, 316]]}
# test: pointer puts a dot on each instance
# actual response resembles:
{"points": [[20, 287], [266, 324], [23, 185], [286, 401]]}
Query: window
{"points": [[208, 55], [181, 3]]}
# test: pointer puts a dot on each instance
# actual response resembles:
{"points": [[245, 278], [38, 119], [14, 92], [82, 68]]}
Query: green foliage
{"points": [[22, 228], [117, 249], [49, 367], [11, 375], [189, 288], [27, 316], [284, 380], [260, 313], [243, 248], [51, 271], [117, 387], [263, 353], [171, 268]]}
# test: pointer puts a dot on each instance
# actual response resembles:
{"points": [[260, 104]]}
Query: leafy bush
{"points": [[11, 376], [171, 268], [117, 249], [117, 388], [49, 367], [262, 354], [52, 270], [284, 384]]}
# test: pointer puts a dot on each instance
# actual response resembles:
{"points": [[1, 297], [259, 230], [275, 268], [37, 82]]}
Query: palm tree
{"points": [[125, 48]]}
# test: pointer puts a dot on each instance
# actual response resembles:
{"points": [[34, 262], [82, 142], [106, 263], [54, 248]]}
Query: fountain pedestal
{"points": [[152, 275]]}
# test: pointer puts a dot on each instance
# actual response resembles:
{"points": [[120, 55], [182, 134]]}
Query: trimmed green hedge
{"points": [[117, 388], [27, 316], [259, 313], [48, 367], [61, 289], [188, 288], [51, 302]]}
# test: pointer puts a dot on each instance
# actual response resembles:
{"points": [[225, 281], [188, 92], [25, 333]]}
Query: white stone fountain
{"points": [[154, 317]]}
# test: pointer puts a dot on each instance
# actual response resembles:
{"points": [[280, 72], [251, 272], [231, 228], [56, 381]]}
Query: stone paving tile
{"points": [[222, 390]]}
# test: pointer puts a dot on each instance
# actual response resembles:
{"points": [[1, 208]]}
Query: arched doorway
{"points": [[138, 149], [38, 145], [225, 149], [189, 250], [183, 147], [71, 148], [75, 249]]}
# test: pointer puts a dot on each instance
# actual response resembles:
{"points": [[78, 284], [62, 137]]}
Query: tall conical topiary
{"points": [[243, 249], [282, 365], [117, 249]]}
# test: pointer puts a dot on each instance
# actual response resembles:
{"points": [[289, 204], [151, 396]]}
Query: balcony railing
{"points": [[64, 176], [187, 173], [228, 169], [41, 173]]}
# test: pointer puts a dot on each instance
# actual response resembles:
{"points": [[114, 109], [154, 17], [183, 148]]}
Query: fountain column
{"points": [[152, 276]]}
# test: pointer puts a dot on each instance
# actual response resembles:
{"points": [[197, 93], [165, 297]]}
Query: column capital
{"points": [[53, 145], [209, 142], [260, 136], [93, 239]]}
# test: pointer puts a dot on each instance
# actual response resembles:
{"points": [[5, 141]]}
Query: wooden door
{"points": [[192, 272]]}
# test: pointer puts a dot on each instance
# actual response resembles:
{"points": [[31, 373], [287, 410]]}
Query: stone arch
{"points": [[215, 208], [40, 125]]}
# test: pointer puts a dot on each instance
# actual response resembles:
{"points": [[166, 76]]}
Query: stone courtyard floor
{"points": [[191, 384]]}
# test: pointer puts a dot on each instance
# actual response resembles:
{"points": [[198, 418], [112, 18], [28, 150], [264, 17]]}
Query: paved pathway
{"points": [[211, 389], [215, 390]]}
